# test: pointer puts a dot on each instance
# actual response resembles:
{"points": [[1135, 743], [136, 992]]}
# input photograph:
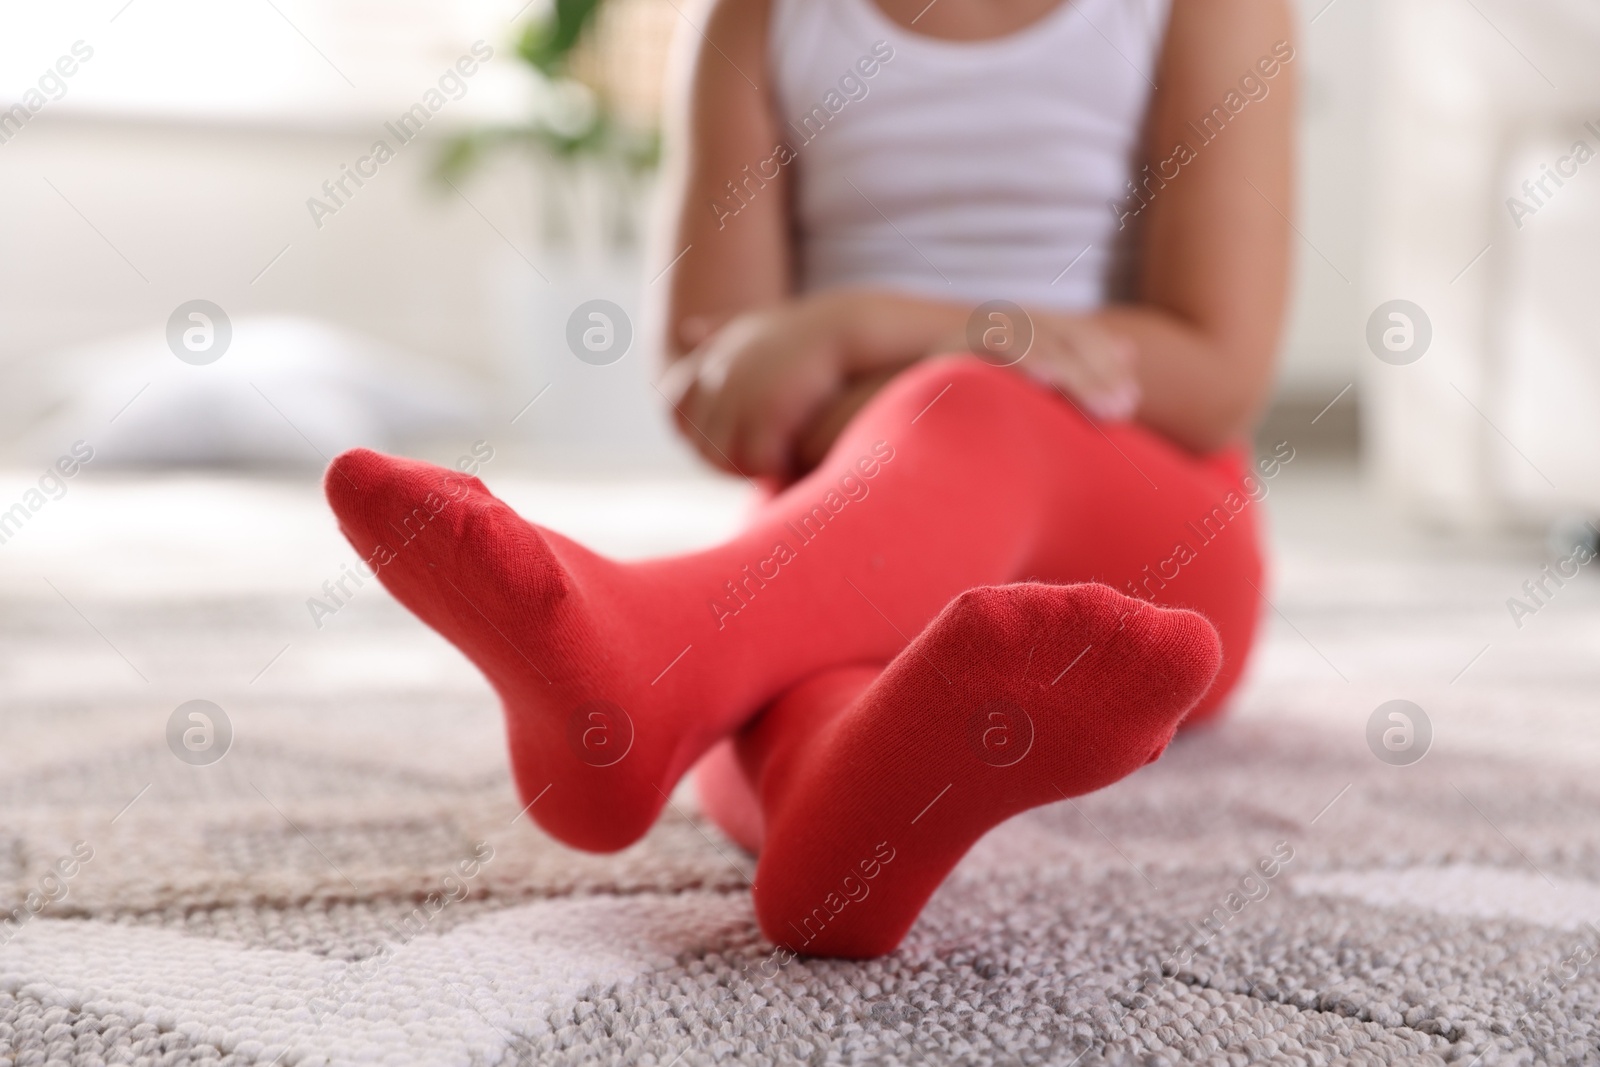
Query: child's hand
{"points": [[744, 394], [1085, 361], [766, 394]]}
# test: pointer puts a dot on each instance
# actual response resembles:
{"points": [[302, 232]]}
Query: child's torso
{"points": [[971, 170]]}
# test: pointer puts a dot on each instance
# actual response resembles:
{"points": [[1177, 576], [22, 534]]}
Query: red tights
{"points": [[899, 649]]}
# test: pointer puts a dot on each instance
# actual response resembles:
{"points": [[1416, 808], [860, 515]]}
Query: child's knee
{"points": [[961, 406], [954, 381]]}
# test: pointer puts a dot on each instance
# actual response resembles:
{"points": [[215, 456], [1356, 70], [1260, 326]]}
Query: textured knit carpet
{"points": [[353, 883]]}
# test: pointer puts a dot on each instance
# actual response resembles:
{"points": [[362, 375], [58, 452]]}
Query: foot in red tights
{"points": [[1015, 696], [616, 677], [595, 747]]}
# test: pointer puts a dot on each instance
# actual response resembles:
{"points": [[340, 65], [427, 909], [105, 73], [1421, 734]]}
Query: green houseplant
{"points": [[585, 113]]}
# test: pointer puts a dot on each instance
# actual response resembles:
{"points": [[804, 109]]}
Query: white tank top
{"points": [[964, 170]]}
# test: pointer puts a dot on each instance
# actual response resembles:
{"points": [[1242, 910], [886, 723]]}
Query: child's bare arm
{"points": [[1217, 244], [721, 121]]}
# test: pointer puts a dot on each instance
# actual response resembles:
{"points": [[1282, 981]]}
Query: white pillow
{"points": [[288, 392]]}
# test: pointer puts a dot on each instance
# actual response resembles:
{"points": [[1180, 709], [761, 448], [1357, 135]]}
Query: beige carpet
{"points": [[351, 883]]}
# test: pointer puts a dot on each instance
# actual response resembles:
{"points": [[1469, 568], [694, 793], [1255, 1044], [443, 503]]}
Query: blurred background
{"points": [[204, 152], [178, 161]]}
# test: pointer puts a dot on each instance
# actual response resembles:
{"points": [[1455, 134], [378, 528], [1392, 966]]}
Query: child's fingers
{"points": [[1108, 398], [696, 330], [678, 379], [683, 410], [1117, 405], [719, 420], [763, 449], [699, 422], [1105, 359], [751, 424], [1093, 367], [678, 400]]}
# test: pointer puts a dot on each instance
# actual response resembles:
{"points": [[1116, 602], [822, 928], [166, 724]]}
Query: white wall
{"points": [[1495, 423], [1320, 352]]}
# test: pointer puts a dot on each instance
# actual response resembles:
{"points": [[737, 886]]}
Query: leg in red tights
{"points": [[872, 785], [617, 677], [824, 776]]}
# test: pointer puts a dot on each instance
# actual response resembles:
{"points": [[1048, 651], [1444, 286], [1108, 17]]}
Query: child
{"points": [[985, 587]]}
